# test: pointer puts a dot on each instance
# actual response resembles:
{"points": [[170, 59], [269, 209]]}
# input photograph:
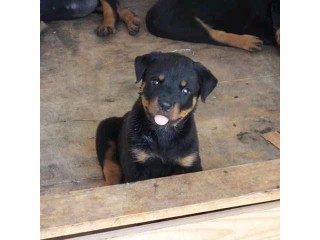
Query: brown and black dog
{"points": [[245, 24], [70, 9], [158, 137]]}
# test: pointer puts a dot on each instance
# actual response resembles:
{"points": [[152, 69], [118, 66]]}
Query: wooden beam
{"points": [[273, 138], [259, 221], [113, 206]]}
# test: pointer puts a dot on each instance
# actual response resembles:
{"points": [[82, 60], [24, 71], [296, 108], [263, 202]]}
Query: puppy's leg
{"points": [[130, 19], [106, 137], [247, 42], [111, 169], [108, 24]]}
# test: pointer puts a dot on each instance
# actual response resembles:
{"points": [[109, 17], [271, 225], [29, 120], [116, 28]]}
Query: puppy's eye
{"points": [[155, 82], [185, 91]]}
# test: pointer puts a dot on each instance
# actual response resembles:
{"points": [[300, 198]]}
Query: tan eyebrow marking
{"points": [[183, 83], [161, 77]]}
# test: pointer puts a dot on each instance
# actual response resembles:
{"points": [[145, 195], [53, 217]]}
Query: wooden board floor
{"points": [[85, 79]]}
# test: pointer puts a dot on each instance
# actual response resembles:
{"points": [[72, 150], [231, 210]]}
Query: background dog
{"points": [[158, 137], [112, 13], [245, 24]]}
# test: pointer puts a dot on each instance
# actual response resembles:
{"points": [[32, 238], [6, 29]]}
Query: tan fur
{"points": [[173, 115], [188, 160], [142, 87], [140, 155], [150, 106], [109, 19], [130, 19], [111, 170], [185, 112], [183, 83], [161, 77], [246, 42]]}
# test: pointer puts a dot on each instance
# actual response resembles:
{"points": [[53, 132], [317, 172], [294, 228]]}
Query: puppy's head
{"points": [[171, 85]]}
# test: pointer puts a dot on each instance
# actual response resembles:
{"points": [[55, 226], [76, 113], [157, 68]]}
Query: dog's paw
{"points": [[250, 43], [104, 30], [130, 19], [133, 25]]}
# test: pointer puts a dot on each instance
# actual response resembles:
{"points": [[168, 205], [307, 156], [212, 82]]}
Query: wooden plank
{"points": [[259, 221], [273, 138], [259, 224], [125, 204]]}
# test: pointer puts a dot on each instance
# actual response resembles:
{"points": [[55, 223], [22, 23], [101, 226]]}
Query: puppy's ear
{"points": [[206, 79], [141, 63]]}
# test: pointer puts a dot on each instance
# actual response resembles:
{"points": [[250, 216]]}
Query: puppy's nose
{"points": [[165, 106]]}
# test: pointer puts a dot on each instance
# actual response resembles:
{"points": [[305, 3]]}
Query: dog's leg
{"points": [[247, 42], [106, 137], [111, 170], [174, 23], [130, 19], [108, 24]]}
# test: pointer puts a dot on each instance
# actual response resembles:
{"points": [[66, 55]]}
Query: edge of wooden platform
{"points": [[121, 205]]}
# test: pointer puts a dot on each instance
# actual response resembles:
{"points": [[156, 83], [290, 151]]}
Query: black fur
{"points": [[175, 19], [137, 129], [107, 129], [71, 9]]}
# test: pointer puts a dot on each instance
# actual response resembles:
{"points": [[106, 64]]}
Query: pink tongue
{"points": [[161, 120]]}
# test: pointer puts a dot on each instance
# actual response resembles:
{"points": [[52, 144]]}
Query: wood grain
{"points": [[259, 221], [120, 205], [273, 138]]}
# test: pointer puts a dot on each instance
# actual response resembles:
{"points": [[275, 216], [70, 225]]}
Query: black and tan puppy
{"points": [[245, 24], [158, 137]]}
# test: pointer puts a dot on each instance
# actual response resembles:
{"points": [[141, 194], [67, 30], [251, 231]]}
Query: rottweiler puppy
{"points": [[245, 24], [158, 137]]}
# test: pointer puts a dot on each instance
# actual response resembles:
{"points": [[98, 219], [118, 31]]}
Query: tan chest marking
{"points": [[188, 160]]}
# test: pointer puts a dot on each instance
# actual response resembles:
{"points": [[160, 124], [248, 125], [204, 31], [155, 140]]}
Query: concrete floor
{"points": [[85, 79]]}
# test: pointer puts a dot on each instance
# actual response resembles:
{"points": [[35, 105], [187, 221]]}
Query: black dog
{"points": [[245, 24], [158, 136], [112, 13]]}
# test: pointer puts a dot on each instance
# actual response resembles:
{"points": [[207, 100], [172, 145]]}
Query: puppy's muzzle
{"points": [[165, 106]]}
